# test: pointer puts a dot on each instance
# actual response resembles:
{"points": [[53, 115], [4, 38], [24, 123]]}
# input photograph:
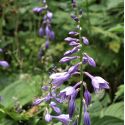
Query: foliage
{"points": [[102, 23]]}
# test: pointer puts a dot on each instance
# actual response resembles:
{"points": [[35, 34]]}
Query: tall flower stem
{"points": [[81, 76]]}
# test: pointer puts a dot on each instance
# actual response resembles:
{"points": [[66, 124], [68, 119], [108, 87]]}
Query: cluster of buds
{"points": [[55, 95], [45, 28]]}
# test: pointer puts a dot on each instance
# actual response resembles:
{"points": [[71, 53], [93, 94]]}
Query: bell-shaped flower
{"points": [[67, 59], [86, 115], [98, 82], [4, 64], [48, 117], [72, 104], [85, 41], [64, 118], [74, 50], [87, 97], [87, 118], [59, 78], [89, 60]]}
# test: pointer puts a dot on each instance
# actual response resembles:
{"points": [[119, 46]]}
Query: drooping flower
{"points": [[59, 78], [48, 117], [47, 44], [89, 60], [86, 115], [87, 118], [72, 103], [87, 97], [41, 32], [98, 82], [64, 118]]}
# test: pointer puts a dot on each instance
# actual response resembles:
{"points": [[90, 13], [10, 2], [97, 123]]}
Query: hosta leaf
{"points": [[107, 120], [115, 110], [23, 90]]}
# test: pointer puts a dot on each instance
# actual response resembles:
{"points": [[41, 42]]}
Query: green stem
{"points": [[81, 78]]}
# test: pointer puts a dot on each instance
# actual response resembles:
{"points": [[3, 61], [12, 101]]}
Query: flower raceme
{"points": [[69, 94], [45, 28]]}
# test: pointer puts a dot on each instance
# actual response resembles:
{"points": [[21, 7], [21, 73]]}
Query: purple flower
{"points": [[72, 104], [86, 118], [88, 59], [48, 117], [37, 101], [55, 108], [59, 78], [85, 40], [70, 39], [68, 91], [41, 32], [98, 82], [47, 44], [73, 43], [73, 33], [64, 118], [4, 64], [47, 31], [67, 59], [75, 18], [52, 35], [45, 88], [74, 50], [49, 15], [38, 9], [73, 68], [87, 97]]}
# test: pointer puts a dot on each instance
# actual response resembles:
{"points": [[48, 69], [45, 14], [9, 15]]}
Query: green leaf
{"points": [[107, 120], [23, 89], [120, 93], [115, 110]]}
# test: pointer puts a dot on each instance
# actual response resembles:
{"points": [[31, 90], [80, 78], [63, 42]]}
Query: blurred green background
{"points": [[21, 83]]}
